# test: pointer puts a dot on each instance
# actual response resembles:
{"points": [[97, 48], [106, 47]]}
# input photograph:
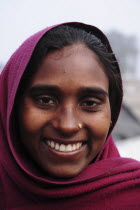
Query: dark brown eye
{"points": [[46, 100], [89, 103]]}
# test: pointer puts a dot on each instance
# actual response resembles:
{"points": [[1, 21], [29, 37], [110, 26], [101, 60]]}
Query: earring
{"points": [[80, 125]]}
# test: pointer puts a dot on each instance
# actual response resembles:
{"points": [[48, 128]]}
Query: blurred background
{"points": [[118, 19]]}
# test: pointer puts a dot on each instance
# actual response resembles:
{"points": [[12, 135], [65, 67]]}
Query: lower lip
{"points": [[72, 154]]}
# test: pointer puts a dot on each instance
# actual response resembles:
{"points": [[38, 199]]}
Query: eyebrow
{"points": [[94, 91], [56, 89], [43, 88]]}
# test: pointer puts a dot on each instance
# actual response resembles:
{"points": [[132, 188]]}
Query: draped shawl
{"points": [[110, 182]]}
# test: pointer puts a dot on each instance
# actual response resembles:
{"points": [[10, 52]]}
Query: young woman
{"points": [[61, 94]]}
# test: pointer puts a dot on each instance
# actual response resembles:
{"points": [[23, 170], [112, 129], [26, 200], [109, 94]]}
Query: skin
{"points": [[79, 95]]}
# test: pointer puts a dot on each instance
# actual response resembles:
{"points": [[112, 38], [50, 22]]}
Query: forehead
{"points": [[72, 65]]}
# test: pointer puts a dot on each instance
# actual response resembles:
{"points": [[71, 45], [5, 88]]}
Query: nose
{"points": [[66, 122]]}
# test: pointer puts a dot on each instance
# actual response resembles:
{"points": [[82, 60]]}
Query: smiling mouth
{"points": [[64, 147]]}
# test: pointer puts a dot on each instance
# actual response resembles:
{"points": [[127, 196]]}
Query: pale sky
{"points": [[21, 18]]}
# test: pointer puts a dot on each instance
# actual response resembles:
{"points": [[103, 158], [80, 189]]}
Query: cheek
{"points": [[102, 125], [99, 126], [99, 130], [100, 121], [31, 119]]}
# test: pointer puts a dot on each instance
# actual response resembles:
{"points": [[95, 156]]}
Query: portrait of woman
{"points": [[60, 98]]}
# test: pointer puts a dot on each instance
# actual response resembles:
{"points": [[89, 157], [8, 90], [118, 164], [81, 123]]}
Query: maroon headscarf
{"points": [[110, 182]]}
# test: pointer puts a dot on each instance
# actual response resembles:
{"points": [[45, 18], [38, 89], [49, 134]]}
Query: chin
{"points": [[64, 173]]}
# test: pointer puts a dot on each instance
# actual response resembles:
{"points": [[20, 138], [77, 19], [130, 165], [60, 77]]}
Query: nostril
{"points": [[66, 132], [66, 127]]}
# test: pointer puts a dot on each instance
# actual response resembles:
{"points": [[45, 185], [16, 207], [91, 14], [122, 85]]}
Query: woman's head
{"points": [[73, 33], [70, 80]]}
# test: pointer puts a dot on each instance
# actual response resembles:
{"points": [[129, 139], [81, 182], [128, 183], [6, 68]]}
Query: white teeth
{"points": [[57, 146], [78, 145], [74, 147], [49, 143], [69, 148], [52, 144], [64, 148]]}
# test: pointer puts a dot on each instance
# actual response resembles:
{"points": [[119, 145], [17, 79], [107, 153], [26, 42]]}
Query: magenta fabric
{"points": [[110, 182]]}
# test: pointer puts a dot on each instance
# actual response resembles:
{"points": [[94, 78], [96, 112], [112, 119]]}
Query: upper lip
{"points": [[63, 141]]}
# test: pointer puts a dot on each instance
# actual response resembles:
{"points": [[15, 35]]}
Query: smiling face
{"points": [[69, 88]]}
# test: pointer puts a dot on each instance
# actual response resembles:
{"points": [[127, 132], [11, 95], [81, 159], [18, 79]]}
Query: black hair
{"points": [[69, 34]]}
